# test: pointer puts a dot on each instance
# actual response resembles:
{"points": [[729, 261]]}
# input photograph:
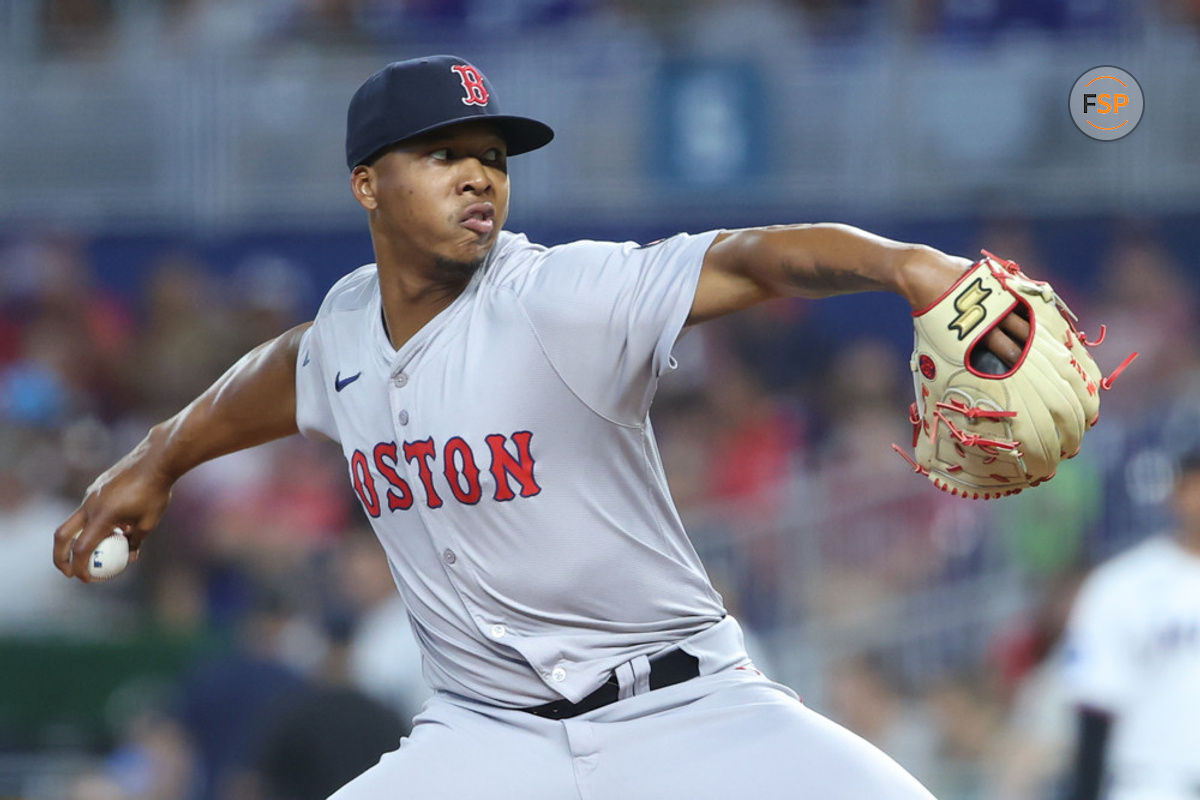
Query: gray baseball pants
{"points": [[730, 733]]}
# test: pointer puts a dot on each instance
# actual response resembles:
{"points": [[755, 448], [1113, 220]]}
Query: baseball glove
{"points": [[982, 429]]}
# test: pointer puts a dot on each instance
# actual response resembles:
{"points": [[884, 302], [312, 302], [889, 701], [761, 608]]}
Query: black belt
{"points": [[666, 670]]}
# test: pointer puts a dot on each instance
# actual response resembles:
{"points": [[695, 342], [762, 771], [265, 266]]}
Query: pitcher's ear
{"points": [[362, 183]]}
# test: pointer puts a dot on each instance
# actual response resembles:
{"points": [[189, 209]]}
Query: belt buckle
{"points": [[674, 666]]}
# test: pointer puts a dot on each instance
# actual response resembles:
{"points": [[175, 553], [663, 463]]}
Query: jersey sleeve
{"points": [[314, 416], [607, 315], [1099, 668], [319, 347]]}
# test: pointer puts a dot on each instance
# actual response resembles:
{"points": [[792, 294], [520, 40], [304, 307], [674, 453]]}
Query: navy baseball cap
{"points": [[408, 98]]}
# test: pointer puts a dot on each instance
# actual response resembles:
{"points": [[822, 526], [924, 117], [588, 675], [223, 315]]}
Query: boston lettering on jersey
{"points": [[456, 462]]}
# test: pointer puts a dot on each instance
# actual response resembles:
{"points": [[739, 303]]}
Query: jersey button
{"points": [[402, 417], [498, 631], [400, 380], [558, 675], [448, 556]]}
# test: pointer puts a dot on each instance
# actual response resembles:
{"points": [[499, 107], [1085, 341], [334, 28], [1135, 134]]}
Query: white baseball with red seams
{"points": [[505, 458]]}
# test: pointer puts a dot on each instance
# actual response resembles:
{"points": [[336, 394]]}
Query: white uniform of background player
{"points": [[1133, 660]]}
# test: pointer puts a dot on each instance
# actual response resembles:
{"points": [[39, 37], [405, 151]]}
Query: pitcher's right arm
{"points": [[252, 403]]}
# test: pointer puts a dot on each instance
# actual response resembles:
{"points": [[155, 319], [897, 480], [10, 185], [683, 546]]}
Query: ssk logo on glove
{"points": [[969, 305]]}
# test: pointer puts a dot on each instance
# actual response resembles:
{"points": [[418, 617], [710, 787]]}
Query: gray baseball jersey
{"points": [[505, 458]]}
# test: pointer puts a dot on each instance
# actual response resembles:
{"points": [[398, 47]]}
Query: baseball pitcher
{"points": [[491, 398]]}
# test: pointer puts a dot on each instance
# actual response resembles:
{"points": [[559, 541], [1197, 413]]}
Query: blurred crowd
{"points": [[924, 623], [92, 26], [259, 650]]}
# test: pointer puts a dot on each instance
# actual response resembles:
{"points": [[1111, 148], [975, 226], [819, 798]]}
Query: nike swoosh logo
{"points": [[305, 364], [340, 383]]}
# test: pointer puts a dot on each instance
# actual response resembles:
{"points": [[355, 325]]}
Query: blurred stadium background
{"points": [[172, 192]]}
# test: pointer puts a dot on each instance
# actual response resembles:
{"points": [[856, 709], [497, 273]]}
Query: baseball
{"points": [[110, 557]]}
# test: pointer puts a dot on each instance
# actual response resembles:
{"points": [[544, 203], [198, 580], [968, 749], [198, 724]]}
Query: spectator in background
{"points": [[153, 761], [757, 442], [222, 701], [1015, 238], [1149, 307], [967, 717], [95, 784], [322, 733], [830, 19], [866, 697], [754, 444], [884, 540], [683, 422], [971, 21], [273, 522], [1046, 531], [783, 345], [59, 320], [79, 27], [1186, 12], [1132, 663], [718, 28], [342, 23], [226, 26], [382, 658], [263, 517], [332, 23], [186, 338], [32, 601], [1035, 745], [269, 293]]}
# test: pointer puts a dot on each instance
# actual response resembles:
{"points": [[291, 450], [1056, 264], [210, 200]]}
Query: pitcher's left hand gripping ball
{"points": [[981, 432]]}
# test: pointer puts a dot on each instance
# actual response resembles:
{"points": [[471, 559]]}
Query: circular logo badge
{"points": [[928, 369], [1106, 103]]}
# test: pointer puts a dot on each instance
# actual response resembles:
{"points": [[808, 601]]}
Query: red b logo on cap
{"points": [[472, 81]]}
